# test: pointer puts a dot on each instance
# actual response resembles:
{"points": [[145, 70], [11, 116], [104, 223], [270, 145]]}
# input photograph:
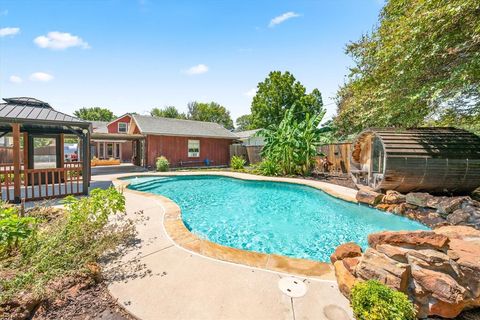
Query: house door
{"points": [[110, 150], [137, 151]]}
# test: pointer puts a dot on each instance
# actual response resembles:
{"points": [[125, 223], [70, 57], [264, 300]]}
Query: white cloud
{"points": [[41, 76], [15, 79], [251, 93], [198, 69], [9, 31], [60, 41], [282, 18]]}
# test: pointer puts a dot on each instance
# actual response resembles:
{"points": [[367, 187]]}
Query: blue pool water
{"points": [[270, 217]]}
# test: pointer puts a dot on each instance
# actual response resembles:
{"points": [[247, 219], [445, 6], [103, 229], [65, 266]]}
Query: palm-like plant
{"points": [[293, 144]]}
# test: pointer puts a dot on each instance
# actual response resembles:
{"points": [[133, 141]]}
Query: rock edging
{"points": [[425, 208], [439, 270]]}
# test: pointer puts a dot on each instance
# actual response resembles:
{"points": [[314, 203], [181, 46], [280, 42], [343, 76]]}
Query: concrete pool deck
{"points": [[158, 279]]}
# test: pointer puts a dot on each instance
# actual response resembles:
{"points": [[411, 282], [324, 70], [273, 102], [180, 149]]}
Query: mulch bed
{"points": [[340, 180], [74, 297], [93, 302]]}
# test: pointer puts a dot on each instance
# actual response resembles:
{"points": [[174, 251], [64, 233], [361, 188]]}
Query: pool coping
{"points": [[182, 237]]}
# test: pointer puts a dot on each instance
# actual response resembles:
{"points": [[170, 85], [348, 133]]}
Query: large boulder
{"points": [[414, 239], [459, 232], [420, 199], [447, 205], [394, 197], [346, 250], [449, 297], [433, 260], [393, 252], [345, 279], [369, 197], [376, 265]]}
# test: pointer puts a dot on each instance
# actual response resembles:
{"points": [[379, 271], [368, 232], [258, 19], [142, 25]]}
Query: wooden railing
{"points": [[42, 183]]}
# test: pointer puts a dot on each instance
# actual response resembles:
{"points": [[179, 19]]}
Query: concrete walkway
{"points": [[156, 279]]}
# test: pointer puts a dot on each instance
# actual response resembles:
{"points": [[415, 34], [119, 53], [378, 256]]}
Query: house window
{"points": [[122, 127], [194, 148]]}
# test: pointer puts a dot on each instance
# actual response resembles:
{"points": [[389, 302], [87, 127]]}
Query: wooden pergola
{"points": [[26, 177]]}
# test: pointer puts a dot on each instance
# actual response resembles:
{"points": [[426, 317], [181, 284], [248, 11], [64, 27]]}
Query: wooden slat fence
{"points": [[238, 150], [338, 156]]}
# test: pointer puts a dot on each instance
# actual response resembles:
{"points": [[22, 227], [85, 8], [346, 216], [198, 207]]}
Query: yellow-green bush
{"points": [[237, 163], [162, 164], [372, 300]]}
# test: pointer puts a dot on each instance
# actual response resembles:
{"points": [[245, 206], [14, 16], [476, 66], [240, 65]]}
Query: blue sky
{"points": [[132, 55]]}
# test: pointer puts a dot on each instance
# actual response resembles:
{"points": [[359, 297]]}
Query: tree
{"points": [[279, 93], [211, 112], [422, 62], [244, 123], [168, 112], [94, 114]]}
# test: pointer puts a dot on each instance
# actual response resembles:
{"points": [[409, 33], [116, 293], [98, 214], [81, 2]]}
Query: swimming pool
{"points": [[270, 217]]}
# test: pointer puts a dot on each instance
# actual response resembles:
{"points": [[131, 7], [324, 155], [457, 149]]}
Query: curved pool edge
{"points": [[182, 237]]}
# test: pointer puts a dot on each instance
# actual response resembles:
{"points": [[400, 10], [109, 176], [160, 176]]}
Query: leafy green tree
{"points": [[211, 112], [94, 114], [168, 112], [244, 123], [420, 64], [279, 93], [292, 144]]}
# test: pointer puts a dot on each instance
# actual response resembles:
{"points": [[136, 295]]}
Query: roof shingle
{"points": [[179, 127]]}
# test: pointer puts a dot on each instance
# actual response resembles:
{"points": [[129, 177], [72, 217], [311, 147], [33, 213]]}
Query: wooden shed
{"points": [[435, 160]]}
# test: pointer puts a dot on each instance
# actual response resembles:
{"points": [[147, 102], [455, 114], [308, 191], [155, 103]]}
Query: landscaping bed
{"points": [[49, 257]]}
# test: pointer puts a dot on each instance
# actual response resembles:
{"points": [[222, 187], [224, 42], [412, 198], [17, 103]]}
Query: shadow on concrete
{"points": [[118, 169]]}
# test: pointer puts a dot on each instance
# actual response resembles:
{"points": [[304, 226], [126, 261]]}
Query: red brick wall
{"points": [[175, 149], [113, 127]]}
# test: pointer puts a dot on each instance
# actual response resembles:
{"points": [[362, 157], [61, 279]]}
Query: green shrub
{"points": [[237, 163], [68, 244], [292, 144], [13, 228], [162, 164], [268, 167], [372, 300]]}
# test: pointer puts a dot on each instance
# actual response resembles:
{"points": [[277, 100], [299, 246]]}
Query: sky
{"points": [[133, 55]]}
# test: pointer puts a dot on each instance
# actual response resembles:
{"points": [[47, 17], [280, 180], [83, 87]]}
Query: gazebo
{"points": [[437, 160], [34, 164]]}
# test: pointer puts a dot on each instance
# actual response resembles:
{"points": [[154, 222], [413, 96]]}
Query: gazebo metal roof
{"points": [[24, 109]]}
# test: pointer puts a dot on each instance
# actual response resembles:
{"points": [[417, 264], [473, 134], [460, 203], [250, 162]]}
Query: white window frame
{"points": [[126, 127], [193, 144]]}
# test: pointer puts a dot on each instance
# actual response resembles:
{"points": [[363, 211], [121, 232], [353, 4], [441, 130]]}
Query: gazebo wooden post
{"points": [[62, 150], [16, 163], [85, 162], [25, 159]]}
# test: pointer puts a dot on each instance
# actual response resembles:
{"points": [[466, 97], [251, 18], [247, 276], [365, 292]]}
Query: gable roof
{"points": [[25, 109], [179, 127]]}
